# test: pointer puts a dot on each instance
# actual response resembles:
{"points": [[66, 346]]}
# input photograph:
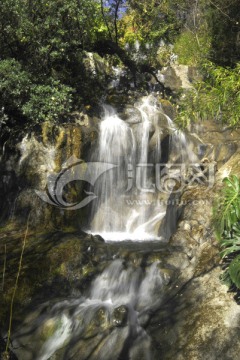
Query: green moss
{"points": [[48, 328]]}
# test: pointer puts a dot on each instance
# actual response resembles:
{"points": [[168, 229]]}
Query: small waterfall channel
{"points": [[108, 320]]}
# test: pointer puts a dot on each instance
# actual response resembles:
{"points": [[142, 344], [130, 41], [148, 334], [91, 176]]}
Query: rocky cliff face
{"points": [[201, 319], [26, 166]]}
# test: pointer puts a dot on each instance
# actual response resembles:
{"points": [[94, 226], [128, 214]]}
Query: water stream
{"points": [[117, 297], [108, 320]]}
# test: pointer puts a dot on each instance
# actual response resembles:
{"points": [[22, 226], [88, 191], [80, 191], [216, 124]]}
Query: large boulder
{"points": [[178, 77]]}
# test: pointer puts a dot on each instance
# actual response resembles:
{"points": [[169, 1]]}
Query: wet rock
{"points": [[179, 260], [193, 325], [55, 265], [134, 259], [120, 316], [48, 328], [117, 101], [81, 118], [88, 270], [167, 275], [82, 349], [98, 324], [141, 348], [232, 166], [208, 255], [115, 340], [132, 115], [156, 256], [36, 161], [168, 108], [97, 238], [185, 226]]}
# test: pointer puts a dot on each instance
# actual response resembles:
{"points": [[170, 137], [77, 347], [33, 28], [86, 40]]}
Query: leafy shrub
{"points": [[227, 223], [15, 84], [48, 102], [20, 97]]}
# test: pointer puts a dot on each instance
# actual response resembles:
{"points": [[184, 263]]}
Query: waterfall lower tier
{"points": [[112, 314], [130, 199]]}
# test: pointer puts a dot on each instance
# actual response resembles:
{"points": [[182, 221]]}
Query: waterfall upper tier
{"points": [[131, 199]]}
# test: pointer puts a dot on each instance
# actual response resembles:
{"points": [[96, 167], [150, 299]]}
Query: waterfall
{"points": [[128, 205], [118, 300], [117, 147], [180, 147], [108, 318]]}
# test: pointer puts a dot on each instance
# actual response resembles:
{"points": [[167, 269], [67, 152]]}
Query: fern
{"points": [[226, 279], [230, 241], [234, 271]]}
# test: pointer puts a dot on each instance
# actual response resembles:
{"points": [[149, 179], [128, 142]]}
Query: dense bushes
{"points": [[48, 102], [43, 44], [216, 97], [21, 98]]}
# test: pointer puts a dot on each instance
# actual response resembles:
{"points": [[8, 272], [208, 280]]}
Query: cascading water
{"points": [[116, 146], [115, 308], [181, 148], [128, 205]]}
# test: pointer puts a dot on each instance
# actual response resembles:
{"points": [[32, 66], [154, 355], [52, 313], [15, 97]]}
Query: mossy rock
{"points": [[120, 316]]}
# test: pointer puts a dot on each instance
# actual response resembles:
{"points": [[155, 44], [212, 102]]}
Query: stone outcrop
{"points": [[201, 320], [27, 165], [178, 77]]}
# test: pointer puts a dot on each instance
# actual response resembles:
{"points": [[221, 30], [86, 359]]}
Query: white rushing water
{"points": [[116, 301], [128, 205]]}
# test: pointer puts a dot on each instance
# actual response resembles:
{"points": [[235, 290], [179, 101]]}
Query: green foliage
{"points": [[147, 23], [192, 48], [234, 271], [223, 22], [47, 39], [230, 241], [227, 224], [20, 97], [229, 207], [47, 30], [42, 46], [217, 97], [14, 85], [48, 102], [214, 25]]}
